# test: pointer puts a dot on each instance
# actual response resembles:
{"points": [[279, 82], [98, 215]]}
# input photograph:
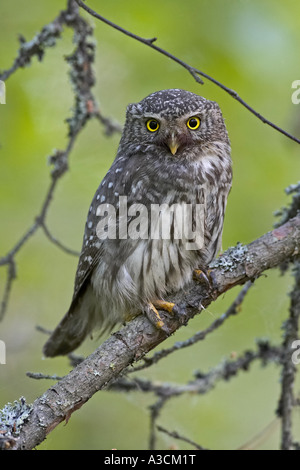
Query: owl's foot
{"points": [[155, 318], [151, 310], [174, 309], [163, 305], [204, 277]]}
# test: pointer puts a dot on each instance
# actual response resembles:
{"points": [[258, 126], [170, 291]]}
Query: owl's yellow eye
{"points": [[152, 125], [193, 123]]}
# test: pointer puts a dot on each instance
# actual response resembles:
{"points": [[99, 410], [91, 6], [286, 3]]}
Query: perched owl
{"points": [[174, 152]]}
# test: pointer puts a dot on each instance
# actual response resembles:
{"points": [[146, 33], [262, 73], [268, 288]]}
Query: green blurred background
{"points": [[252, 47]]}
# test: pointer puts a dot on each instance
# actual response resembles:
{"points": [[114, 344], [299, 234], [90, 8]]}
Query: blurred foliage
{"points": [[252, 47]]}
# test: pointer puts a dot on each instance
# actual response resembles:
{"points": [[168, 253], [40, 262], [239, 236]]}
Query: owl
{"points": [[173, 158]]}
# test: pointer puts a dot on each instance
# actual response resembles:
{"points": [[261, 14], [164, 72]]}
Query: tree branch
{"points": [[236, 266], [287, 399]]}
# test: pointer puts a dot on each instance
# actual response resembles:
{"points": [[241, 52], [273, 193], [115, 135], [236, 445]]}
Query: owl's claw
{"points": [[154, 317], [163, 305], [204, 277], [174, 309]]}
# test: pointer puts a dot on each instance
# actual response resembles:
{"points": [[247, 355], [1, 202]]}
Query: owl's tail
{"points": [[78, 322], [64, 338]]}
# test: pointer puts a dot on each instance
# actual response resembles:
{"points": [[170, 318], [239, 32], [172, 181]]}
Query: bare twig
{"points": [[176, 435], [39, 376], [57, 242], [10, 255], [155, 410], [192, 70], [36, 47], [293, 209], [11, 275]]}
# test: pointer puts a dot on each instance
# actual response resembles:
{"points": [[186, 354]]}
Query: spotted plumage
{"points": [[174, 150]]}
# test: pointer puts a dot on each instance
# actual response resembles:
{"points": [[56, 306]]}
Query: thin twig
{"points": [[155, 410], [11, 275], [192, 70], [176, 435], [10, 255], [36, 47], [57, 242], [40, 376]]}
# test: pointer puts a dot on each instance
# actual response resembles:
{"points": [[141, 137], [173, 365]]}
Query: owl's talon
{"points": [[207, 278], [154, 318], [203, 277], [174, 309], [163, 305]]}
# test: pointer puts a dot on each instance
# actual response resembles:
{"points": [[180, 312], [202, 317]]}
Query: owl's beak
{"points": [[173, 144]]}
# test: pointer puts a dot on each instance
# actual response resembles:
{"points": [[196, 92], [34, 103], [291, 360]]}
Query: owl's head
{"points": [[177, 122]]}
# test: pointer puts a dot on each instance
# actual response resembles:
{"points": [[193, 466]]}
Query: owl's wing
{"points": [[92, 246], [122, 179], [76, 323], [89, 259]]}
